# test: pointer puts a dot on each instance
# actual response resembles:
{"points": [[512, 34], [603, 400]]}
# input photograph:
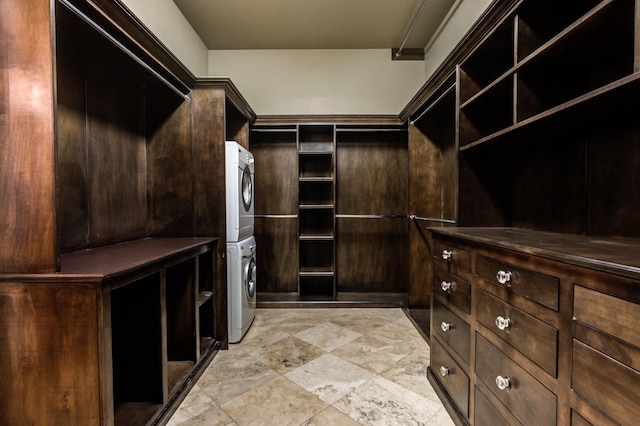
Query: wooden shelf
{"points": [[124, 258]]}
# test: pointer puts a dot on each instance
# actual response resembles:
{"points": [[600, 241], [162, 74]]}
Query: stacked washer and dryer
{"points": [[241, 244]]}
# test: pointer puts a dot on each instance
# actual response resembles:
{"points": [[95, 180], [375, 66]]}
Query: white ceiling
{"points": [[312, 24]]}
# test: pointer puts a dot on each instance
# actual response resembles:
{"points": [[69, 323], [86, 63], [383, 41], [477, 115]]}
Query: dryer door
{"points": [[250, 279], [247, 189]]}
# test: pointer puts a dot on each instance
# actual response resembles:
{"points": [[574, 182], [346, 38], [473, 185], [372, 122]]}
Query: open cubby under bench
{"points": [[118, 336]]}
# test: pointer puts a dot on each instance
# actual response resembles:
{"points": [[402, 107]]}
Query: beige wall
{"points": [[460, 19], [320, 81], [166, 21]]}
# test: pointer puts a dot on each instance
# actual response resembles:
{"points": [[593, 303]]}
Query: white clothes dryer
{"points": [[239, 182], [241, 287]]}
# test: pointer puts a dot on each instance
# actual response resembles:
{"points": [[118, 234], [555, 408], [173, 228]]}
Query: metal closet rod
{"points": [[413, 24], [431, 219], [372, 216], [276, 216]]}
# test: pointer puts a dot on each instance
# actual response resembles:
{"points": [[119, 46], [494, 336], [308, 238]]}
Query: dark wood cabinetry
{"points": [[346, 184], [316, 211], [543, 140], [532, 361], [112, 283]]}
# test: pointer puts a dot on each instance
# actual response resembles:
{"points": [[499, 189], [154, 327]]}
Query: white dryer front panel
{"points": [[241, 287], [240, 184]]}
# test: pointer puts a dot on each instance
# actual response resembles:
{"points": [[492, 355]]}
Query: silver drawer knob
{"points": [[446, 286], [503, 323], [446, 326], [503, 382], [503, 277], [444, 371], [447, 254]]}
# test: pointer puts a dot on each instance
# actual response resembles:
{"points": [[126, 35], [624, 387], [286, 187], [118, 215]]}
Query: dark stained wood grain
{"points": [[170, 177], [72, 164], [609, 385], [456, 382], [50, 360], [372, 173], [277, 255], [27, 151], [527, 399], [116, 147], [276, 171], [209, 190], [371, 255], [458, 336]]}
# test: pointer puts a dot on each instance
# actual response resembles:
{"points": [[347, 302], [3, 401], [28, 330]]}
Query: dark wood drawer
{"points": [[534, 338], [451, 376], [456, 290], [607, 384], [485, 414], [614, 316], [452, 329], [529, 401], [452, 254], [532, 285]]}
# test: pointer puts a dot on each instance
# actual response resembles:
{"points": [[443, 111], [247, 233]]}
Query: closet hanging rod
{"points": [[123, 48], [434, 103], [372, 216], [275, 216], [413, 24], [368, 130], [274, 130], [431, 219]]}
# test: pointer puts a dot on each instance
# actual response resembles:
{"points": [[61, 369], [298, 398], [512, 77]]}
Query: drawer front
{"points": [[534, 338], [532, 285], [452, 329], [451, 254], [451, 376], [606, 383], [616, 317], [529, 401], [485, 414], [456, 290]]}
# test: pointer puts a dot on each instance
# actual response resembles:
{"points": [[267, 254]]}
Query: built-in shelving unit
{"points": [[316, 214]]}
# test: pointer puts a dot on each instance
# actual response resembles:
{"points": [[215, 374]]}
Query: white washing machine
{"points": [[239, 180], [241, 287]]}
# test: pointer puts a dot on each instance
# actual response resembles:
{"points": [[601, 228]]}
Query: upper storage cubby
{"points": [[493, 58], [542, 20], [573, 60], [551, 143], [316, 138], [592, 52]]}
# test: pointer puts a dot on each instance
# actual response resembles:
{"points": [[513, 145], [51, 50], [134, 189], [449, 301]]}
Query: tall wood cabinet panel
{"points": [[27, 181], [276, 211], [433, 176], [218, 111], [371, 202]]}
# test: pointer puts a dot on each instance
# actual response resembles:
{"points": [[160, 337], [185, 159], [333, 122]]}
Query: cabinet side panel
{"points": [[117, 156], [27, 186], [170, 167], [72, 185], [49, 355]]}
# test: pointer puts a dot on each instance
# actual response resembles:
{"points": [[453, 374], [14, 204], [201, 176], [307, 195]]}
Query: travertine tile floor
{"points": [[318, 367]]}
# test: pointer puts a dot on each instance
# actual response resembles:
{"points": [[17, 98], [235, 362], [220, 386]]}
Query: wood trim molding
{"points": [[495, 13], [231, 91], [348, 119]]}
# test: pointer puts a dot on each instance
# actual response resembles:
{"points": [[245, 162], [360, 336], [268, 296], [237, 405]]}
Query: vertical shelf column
{"points": [[316, 212]]}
